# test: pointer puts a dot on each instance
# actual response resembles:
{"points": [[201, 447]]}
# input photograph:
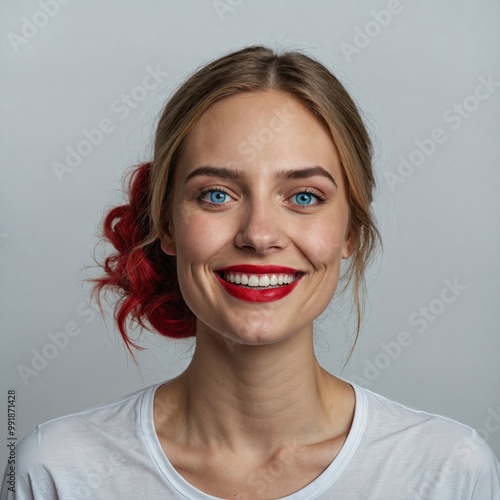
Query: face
{"points": [[259, 183]]}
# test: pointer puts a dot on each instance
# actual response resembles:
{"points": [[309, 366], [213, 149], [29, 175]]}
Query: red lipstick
{"points": [[253, 269], [250, 294]]}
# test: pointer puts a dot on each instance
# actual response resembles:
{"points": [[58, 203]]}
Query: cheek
{"points": [[199, 235], [322, 242]]}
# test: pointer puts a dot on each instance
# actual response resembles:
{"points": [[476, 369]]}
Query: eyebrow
{"points": [[222, 172], [305, 173], [227, 173]]}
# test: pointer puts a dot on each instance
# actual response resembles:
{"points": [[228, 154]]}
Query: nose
{"points": [[261, 229]]}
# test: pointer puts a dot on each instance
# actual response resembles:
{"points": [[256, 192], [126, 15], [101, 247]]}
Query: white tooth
{"points": [[244, 279], [237, 279], [289, 279], [274, 280], [231, 277], [264, 281], [280, 279], [253, 280]]}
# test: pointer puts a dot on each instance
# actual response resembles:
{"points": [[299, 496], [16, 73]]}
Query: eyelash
{"points": [[209, 190], [321, 199]]}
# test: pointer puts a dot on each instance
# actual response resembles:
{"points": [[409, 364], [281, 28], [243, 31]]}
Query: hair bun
{"points": [[140, 273]]}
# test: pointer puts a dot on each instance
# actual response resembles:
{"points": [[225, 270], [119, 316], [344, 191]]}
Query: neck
{"points": [[259, 397]]}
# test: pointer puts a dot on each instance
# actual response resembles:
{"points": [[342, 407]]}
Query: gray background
{"points": [[441, 223]]}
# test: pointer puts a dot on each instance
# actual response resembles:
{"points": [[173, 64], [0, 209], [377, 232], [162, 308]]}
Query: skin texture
{"points": [[254, 397]]}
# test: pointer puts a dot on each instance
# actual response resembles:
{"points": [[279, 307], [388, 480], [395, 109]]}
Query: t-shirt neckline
{"points": [[309, 492]]}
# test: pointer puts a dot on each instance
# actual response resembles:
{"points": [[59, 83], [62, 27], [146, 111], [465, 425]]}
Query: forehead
{"points": [[268, 127]]}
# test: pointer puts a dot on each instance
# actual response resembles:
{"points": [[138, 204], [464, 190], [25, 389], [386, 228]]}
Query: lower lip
{"points": [[251, 295]]}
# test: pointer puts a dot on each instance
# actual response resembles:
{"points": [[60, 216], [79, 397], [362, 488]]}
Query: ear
{"points": [[168, 242], [347, 251], [348, 248]]}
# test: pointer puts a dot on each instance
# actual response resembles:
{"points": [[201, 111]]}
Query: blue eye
{"points": [[304, 198], [215, 196]]}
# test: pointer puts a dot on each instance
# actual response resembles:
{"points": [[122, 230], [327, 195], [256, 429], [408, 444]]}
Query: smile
{"points": [[258, 283]]}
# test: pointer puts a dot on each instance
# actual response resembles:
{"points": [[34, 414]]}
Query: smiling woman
{"points": [[255, 219], [260, 186]]}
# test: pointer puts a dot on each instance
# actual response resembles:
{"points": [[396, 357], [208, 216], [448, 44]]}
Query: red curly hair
{"points": [[144, 277]]}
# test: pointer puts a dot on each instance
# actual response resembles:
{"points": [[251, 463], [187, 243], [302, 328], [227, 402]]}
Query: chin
{"points": [[254, 336], [255, 340]]}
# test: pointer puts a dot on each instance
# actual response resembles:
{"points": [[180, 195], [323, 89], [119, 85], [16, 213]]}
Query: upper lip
{"points": [[254, 269]]}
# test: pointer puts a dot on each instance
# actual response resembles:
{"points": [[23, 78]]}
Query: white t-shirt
{"points": [[392, 452]]}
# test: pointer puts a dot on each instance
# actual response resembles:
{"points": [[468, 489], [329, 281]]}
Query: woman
{"points": [[260, 186]]}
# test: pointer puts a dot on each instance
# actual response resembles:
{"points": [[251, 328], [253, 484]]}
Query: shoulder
{"points": [[400, 417], [439, 447], [79, 437]]}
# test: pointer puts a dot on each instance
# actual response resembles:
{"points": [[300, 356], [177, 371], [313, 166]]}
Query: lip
{"points": [[250, 295], [253, 269]]}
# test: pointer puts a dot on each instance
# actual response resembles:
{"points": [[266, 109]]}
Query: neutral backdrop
{"points": [[426, 76]]}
